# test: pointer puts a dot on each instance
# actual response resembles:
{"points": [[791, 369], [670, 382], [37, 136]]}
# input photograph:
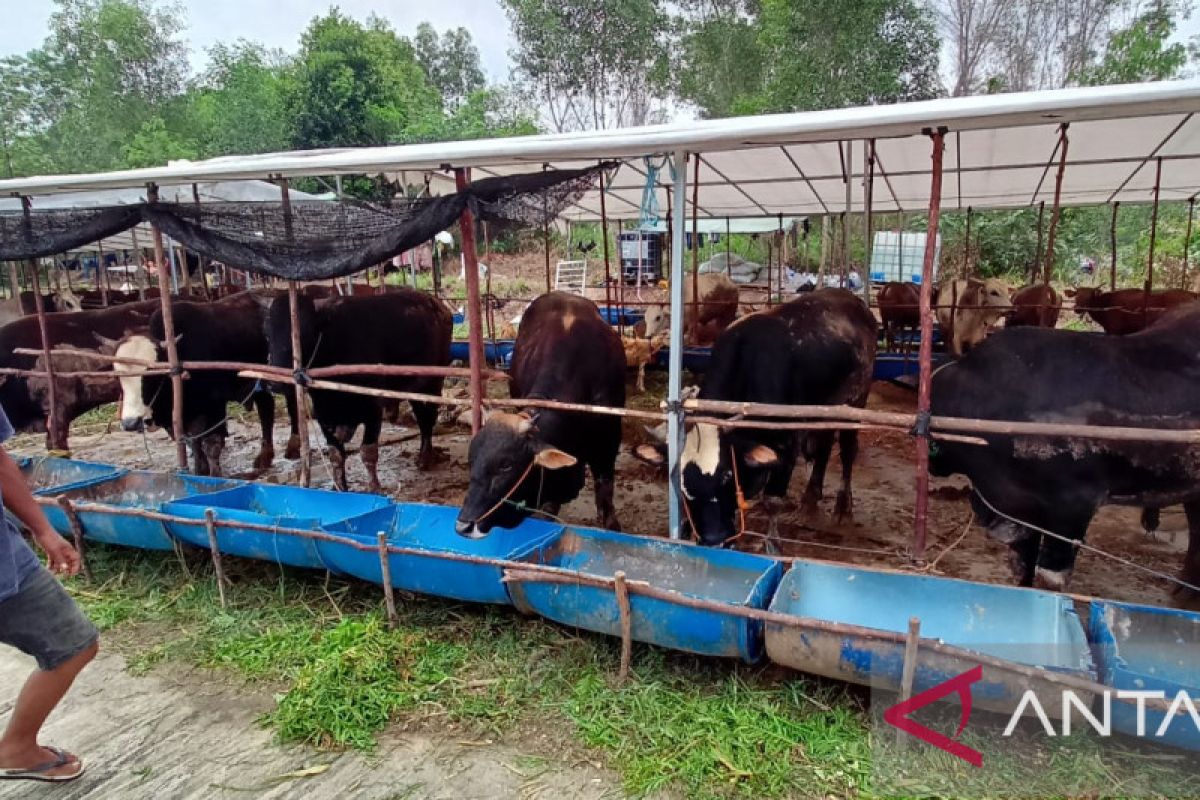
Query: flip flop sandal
{"points": [[39, 773]]}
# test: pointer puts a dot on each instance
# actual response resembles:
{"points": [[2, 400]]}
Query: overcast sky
{"points": [[278, 23]]}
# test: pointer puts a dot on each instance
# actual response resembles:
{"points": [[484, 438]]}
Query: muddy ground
{"points": [[879, 535]]}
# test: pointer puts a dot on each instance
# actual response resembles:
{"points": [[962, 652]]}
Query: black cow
{"points": [[28, 408], [1147, 379], [405, 328], [816, 349], [227, 330], [519, 463]]}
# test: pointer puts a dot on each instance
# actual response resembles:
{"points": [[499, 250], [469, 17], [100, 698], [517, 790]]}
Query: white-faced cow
{"points": [[1149, 379], [227, 330], [817, 349], [522, 463], [966, 309], [401, 328]]}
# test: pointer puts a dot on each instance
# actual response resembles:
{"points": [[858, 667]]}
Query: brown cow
{"points": [[73, 395], [718, 308], [1126, 311], [899, 309], [1035, 306]]}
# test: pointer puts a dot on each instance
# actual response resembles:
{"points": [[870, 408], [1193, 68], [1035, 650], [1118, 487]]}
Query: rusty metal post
{"points": [[139, 264], [925, 356], [696, 252], [607, 269], [297, 357], [1037, 253], [466, 227], [1153, 236], [54, 434], [14, 282], [385, 571], [1112, 233], [868, 220], [1056, 210], [1187, 242], [168, 318], [101, 274], [967, 245], [849, 179], [545, 236]]}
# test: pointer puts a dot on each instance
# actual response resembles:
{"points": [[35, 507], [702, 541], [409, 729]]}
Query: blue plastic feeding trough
{"points": [[497, 353], [430, 527], [1033, 628], [695, 359], [144, 490], [727, 576], [1148, 649], [266, 504], [48, 474], [890, 366], [621, 315]]}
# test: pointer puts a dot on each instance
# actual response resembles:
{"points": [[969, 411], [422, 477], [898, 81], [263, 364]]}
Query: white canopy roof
{"points": [[722, 225], [1001, 152]]}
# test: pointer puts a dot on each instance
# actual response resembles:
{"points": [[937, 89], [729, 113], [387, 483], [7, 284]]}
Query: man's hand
{"points": [[63, 560]]}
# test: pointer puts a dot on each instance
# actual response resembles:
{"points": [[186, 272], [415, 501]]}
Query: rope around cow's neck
{"points": [[1081, 545], [742, 505]]}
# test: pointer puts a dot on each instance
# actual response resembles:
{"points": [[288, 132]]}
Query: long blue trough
{"points": [[621, 315], [135, 489], [1149, 649], [431, 528], [739, 579], [49, 474], [497, 353], [266, 504], [1024, 626]]}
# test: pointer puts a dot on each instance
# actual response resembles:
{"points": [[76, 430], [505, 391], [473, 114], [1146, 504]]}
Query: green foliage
{"points": [[239, 104], [718, 59], [451, 63], [1141, 52], [153, 145]]}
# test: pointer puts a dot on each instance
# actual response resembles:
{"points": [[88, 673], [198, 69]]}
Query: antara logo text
{"points": [[1181, 707]]}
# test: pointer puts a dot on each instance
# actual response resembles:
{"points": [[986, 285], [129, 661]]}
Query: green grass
{"points": [[694, 727]]}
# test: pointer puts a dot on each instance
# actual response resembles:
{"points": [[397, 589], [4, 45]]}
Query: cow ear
{"points": [[760, 456], [650, 454], [553, 458]]}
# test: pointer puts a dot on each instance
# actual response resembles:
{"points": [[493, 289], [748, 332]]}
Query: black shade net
{"points": [[307, 240]]}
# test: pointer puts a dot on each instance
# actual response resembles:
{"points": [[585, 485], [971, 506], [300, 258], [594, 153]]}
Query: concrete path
{"points": [[154, 737]]}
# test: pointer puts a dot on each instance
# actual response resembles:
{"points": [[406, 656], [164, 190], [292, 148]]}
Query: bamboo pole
{"points": [[298, 385], [55, 435], [1112, 233], [168, 319], [1037, 255], [626, 615], [1056, 210], [385, 574], [466, 226], [68, 510], [1187, 242], [214, 550], [925, 356]]}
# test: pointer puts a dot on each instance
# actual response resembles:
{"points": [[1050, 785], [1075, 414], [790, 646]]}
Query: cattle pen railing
{"points": [[528, 572]]}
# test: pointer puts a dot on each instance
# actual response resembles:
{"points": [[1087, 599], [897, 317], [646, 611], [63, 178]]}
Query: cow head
{"points": [[67, 300], [1086, 298], [712, 467], [504, 483], [277, 325], [995, 294], [657, 319], [136, 396]]}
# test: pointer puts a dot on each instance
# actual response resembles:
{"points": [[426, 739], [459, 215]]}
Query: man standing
{"points": [[38, 617]]}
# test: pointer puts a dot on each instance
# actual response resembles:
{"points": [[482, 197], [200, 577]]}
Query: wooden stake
{"points": [[55, 435], [466, 227], [1187, 242], [385, 568], [622, 592], [925, 356], [1153, 235], [1112, 233], [168, 319], [608, 294], [210, 525], [297, 356], [1037, 253], [77, 532], [911, 645], [102, 274], [1056, 210], [695, 253]]}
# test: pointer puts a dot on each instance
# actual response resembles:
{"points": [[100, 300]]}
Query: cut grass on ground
{"points": [[686, 726]]}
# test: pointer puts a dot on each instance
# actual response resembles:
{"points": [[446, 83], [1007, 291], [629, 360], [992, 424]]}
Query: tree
{"points": [[717, 57], [358, 84], [973, 29], [819, 56], [19, 153], [592, 63], [239, 104], [153, 145], [451, 64], [1141, 52]]}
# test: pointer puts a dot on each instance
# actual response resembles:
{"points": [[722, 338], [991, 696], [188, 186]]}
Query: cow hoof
{"points": [[1053, 580], [1019, 569], [1006, 532], [374, 487], [264, 460], [810, 505], [293, 448], [426, 460], [843, 509]]}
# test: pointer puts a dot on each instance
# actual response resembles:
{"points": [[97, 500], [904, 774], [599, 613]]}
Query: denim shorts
{"points": [[43, 621]]}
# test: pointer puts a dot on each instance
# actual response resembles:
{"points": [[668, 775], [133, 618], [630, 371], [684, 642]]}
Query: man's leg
{"points": [[19, 748]]}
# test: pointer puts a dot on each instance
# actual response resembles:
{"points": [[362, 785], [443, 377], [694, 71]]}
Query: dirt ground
{"points": [[183, 734], [880, 534]]}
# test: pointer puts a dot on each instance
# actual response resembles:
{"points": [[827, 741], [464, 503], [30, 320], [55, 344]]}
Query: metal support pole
{"points": [[174, 266], [545, 238], [728, 248], [849, 177], [168, 319], [466, 226], [200, 260], [297, 355], [101, 274], [55, 436], [1153, 234], [925, 356], [607, 268], [675, 362], [967, 245], [139, 264], [1056, 211], [695, 252], [1187, 242], [14, 284], [1037, 254], [868, 220], [1112, 234]]}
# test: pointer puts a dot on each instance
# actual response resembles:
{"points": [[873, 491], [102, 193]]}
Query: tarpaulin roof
{"points": [[730, 225], [1000, 153]]}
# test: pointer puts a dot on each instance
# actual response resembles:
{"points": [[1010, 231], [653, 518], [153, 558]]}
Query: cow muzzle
{"points": [[133, 424], [468, 529]]}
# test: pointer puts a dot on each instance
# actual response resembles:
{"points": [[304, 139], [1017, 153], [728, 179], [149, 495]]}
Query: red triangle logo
{"points": [[898, 715]]}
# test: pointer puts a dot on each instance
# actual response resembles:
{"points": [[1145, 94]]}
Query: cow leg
{"points": [[1150, 520], [1022, 558], [264, 403], [426, 415], [818, 447], [606, 513], [211, 446], [1191, 561], [843, 509], [370, 451], [293, 444], [641, 378], [1056, 560]]}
